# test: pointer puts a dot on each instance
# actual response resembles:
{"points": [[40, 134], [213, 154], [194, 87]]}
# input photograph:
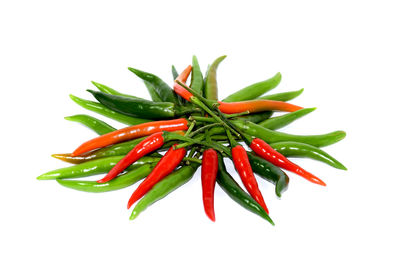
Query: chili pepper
{"points": [[129, 133], [163, 168], [164, 187], [101, 109], [162, 89], [265, 151], [105, 89], [271, 136], [300, 150], [149, 144], [122, 181], [286, 96], [211, 87], [93, 167], [283, 120], [153, 93], [174, 72], [234, 191], [99, 126], [269, 172], [256, 106], [255, 90], [209, 169], [141, 107], [256, 117], [196, 82]]}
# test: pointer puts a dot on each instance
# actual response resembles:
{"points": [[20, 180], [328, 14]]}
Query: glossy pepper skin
{"points": [[300, 150], [162, 89], [283, 120], [140, 107], [149, 144], [124, 180], [164, 187], [265, 151], [285, 96], [269, 172], [243, 167], [165, 166], [209, 170], [254, 106], [256, 117], [93, 167], [103, 110], [99, 126], [272, 136], [105, 89], [197, 80], [255, 90], [234, 191], [182, 78], [211, 87], [129, 133]]}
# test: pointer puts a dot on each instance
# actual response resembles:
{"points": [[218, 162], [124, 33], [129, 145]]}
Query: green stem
{"points": [[204, 128], [190, 128]]}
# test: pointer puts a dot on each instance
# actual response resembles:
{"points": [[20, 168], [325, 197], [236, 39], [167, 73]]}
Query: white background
{"points": [[344, 53]]}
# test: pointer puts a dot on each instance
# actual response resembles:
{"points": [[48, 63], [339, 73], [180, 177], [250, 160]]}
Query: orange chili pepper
{"points": [[254, 106]]}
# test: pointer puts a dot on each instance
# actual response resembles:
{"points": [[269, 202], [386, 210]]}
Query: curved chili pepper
{"points": [[265, 151], [151, 143], [174, 72], [162, 88], [283, 120], [196, 82], [131, 132], [229, 185], [255, 90], [165, 166], [182, 78], [140, 107], [108, 90], [209, 170], [124, 180], [99, 126], [164, 187], [101, 109], [211, 87], [254, 106], [242, 165], [285, 96]]}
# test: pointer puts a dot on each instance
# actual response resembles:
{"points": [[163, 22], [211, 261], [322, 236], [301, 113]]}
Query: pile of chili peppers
{"points": [[194, 129]]}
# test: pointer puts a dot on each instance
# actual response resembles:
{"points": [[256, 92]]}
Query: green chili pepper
{"points": [[101, 109], [196, 82], [120, 182], [283, 120], [234, 191], [164, 187], [92, 167], [269, 172], [300, 150], [162, 89], [255, 90], [99, 126], [105, 89], [286, 96], [153, 93], [271, 136], [175, 73], [211, 87], [256, 117], [140, 107]]}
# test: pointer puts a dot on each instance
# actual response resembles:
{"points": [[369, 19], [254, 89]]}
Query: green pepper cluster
{"points": [[204, 131]]}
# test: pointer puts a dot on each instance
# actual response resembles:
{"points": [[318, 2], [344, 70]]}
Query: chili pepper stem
{"points": [[191, 126]]}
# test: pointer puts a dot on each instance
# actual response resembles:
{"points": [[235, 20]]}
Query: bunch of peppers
{"points": [[194, 129]]}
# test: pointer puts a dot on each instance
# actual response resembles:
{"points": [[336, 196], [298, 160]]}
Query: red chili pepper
{"points": [[209, 169], [151, 143], [165, 166], [182, 78], [265, 151], [242, 165], [131, 132], [254, 106]]}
